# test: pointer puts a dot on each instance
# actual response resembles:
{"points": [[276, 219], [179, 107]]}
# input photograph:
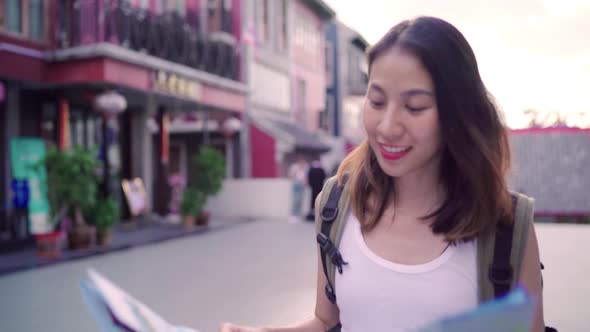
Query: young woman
{"points": [[430, 176]]}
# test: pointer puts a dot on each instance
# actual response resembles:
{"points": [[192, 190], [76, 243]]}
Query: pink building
{"points": [[308, 61], [288, 83], [178, 63]]}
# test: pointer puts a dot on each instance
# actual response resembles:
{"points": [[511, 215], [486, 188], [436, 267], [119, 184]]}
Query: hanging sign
{"points": [[175, 85]]}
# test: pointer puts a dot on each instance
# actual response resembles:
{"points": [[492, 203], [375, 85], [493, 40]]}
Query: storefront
{"points": [[166, 74], [277, 143], [62, 111], [155, 137], [65, 115]]}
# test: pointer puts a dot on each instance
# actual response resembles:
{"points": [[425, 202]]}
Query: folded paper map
{"points": [[512, 313], [115, 311]]}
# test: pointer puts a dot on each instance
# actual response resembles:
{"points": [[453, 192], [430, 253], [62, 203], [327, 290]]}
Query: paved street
{"points": [[259, 272]]}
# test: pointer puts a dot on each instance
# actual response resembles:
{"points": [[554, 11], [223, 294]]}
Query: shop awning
{"points": [[301, 139]]}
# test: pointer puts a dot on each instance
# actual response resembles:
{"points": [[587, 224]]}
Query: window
{"points": [[181, 7], [353, 67], [300, 105], [36, 20], [307, 35], [213, 16], [329, 62], [159, 6], [327, 114], [14, 10], [227, 23], [262, 21], [25, 18], [162, 6], [219, 16], [282, 24]]}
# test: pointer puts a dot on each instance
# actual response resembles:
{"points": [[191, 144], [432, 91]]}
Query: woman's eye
{"points": [[376, 104], [415, 109]]}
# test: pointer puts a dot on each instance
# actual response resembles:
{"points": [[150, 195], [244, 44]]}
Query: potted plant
{"points": [[72, 187], [193, 201], [104, 215], [209, 172], [49, 245]]}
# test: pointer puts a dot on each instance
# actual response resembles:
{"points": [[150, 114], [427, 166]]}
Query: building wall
{"points": [[308, 55], [333, 84], [264, 163], [271, 201], [24, 60], [268, 79], [350, 86], [551, 165], [269, 75], [352, 118], [270, 88]]}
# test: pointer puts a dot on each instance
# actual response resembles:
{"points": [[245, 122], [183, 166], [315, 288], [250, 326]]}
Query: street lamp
{"points": [[109, 105]]}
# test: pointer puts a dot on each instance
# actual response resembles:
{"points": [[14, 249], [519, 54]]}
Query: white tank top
{"points": [[374, 294]]}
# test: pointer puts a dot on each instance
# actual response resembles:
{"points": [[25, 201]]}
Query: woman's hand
{"points": [[228, 327]]}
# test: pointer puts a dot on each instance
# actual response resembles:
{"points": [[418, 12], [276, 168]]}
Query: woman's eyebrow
{"points": [[376, 87], [415, 92]]}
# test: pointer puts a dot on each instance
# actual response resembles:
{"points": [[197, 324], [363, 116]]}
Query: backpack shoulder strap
{"points": [[501, 250], [330, 224]]}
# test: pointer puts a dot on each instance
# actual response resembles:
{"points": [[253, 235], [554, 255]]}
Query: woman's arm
{"points": [[326, 313], [530, 277]]}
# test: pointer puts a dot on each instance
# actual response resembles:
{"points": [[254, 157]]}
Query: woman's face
{"points": [[400, 115]]}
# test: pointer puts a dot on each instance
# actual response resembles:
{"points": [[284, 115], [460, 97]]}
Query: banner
{"points": [[25, 157]]}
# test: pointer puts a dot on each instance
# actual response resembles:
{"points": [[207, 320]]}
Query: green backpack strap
{"points": [[500, 251], [333, 209]]}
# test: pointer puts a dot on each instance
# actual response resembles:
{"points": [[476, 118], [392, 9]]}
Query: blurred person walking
{"points": [[316, 177], [297, 173]]}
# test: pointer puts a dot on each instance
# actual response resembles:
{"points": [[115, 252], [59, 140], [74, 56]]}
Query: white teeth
{"points": [[391, 149]]}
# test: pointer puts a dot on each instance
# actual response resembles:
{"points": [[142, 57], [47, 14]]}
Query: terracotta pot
{"points": [[203, 218], [188, 221], [49, 245], [81, 237], [103, 237]]}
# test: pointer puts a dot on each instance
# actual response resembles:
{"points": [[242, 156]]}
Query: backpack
{"points": [[499, 251]]}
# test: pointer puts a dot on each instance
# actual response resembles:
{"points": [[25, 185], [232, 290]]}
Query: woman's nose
{"points": [[391, 125]]}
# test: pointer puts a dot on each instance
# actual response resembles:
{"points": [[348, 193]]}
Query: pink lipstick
{"points": [[393, 152]]}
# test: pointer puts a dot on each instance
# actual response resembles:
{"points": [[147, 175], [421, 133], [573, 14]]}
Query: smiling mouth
{"points": [[393, 152], [394, 149]]}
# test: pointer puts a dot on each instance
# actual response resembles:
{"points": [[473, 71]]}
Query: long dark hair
{"points": [[475, 150]]}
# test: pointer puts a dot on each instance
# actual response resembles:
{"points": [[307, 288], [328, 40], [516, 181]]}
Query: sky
{"points": [[532, 54]]}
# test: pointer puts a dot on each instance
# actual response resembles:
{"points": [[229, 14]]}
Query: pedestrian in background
{"points": [[298, 174], [424, 187], [316, 177]]}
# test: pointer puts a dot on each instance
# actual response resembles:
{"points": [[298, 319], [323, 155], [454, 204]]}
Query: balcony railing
{"points": [[167, 36]]}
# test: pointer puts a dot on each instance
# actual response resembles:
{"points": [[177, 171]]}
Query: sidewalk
{"points": [[148, 230], [260, 273]]}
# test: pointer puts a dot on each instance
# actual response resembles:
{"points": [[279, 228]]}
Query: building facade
{"points": [[287, 82], [178, 63], [347, 77]]}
